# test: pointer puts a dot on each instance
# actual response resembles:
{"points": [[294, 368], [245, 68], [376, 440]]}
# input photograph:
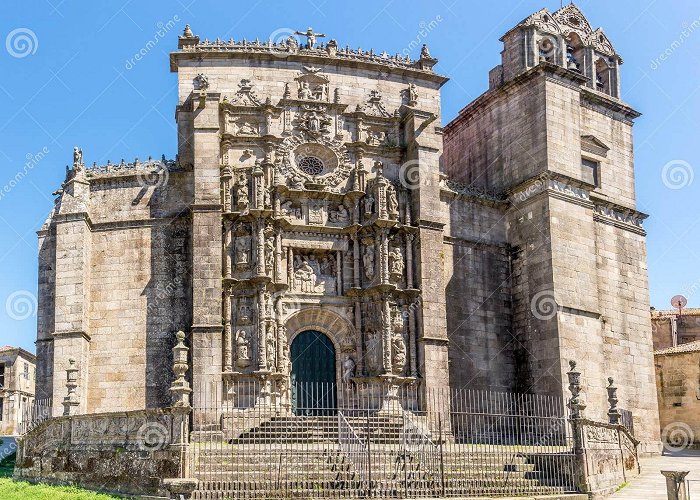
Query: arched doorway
{"points": [[313, 374]]}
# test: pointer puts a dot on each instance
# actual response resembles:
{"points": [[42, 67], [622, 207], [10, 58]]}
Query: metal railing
{"points": [[32, 415], [253, 439]]}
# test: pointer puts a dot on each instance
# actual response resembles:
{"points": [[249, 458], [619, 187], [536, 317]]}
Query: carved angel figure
{"points": [[392, 202]]}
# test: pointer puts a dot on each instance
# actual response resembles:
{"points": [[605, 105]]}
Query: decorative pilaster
{"points": [[260, 247], [384, 256], [180, 389], [359, 359], [228, 250], [413, 357], [386, 336], [228, 346], [262, 340], [356, 261], [409, 260]]}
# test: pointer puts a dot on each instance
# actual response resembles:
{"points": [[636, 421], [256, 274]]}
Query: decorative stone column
{"points": [[180, 389], [262, 340], [70, 402], [383, 254], [613, 412], [386, 336], [409, 260]]}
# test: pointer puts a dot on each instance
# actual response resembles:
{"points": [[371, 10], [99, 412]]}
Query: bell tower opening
{"points": [[313, 377]]}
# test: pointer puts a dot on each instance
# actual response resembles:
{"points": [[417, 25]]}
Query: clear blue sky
{"points": [[75, 86]]}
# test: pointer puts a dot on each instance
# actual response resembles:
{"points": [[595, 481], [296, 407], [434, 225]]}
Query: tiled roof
{"points": [[681, 348], [691, 311]]}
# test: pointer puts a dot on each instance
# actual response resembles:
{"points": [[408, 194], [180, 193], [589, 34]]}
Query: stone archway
{"points": [[338, 329]]}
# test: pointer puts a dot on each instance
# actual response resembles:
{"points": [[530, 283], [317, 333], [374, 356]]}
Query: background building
{"points": [[17, 377]]}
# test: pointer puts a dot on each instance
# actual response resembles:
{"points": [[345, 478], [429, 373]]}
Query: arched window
{"points": [[602, 76], [574, 52], [547, 49]]}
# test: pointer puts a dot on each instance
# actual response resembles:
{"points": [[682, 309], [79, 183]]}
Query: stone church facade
{"points": [[315, 190]]}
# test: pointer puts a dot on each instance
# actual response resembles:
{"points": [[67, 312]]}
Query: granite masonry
{"points": [[315, 190]]}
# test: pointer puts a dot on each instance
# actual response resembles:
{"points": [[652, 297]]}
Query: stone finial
{"points": [[424, 52], [187, 33], [575, 404], [613, 412], [180, 388], [70, 402]]}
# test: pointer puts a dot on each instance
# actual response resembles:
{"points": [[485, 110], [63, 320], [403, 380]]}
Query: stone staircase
{"points": [[300, 457]]}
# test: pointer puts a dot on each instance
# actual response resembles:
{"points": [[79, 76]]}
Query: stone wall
{"points": [[125, 453], [671, 329]]}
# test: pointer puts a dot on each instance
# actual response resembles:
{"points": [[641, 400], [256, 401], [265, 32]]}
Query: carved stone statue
{"points": [[412, 94], [77, 156], [305, 91], [348, 369], [310, 37], [306, 277], [267, 202], [369, 204], [242, 252], [297, 183], [242, 348], [289, 210], [269, 254], [242, 192], [368, 261], [396, 264], [392, 202], [373, 350], [399, 348], [340, 216], [271, 349], [424, 52]]}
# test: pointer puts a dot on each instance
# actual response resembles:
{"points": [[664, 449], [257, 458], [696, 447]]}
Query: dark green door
{"points": [[313, 374]]}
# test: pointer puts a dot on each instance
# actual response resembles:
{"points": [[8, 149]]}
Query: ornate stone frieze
{"points": [[475, 192], [631, 217], [245, 96]]}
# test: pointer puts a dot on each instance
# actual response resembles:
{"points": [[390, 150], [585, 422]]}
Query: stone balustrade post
{"points": [[576, 405], [613, 412], [180, 388], [70, 402]]}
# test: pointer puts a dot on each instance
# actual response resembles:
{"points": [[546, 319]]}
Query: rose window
{"points": [[310, 165]]}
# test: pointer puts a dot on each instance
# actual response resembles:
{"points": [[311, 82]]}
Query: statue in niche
{"points": [[305, 91], [242, 191], [373, 350], [267, 304], [399, 348], [348, 369], [267, 201], [306, 277], [247, 129], [392, 203], [242, 349], [314, 122], [412, 94], [245, 313], [339, 216], [369, 204], [271, 348], [376, 138], [327, 266], [290, 211], [368, 261], [396, 264], [242, 252], [269, 254]]}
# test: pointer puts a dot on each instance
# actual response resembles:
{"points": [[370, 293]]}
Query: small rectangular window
{"points": [[589, 171], [2, 408], [26, 371], [2, 375]]}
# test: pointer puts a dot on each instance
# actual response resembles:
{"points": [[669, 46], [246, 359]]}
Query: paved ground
{"points": [[651, 485]]}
